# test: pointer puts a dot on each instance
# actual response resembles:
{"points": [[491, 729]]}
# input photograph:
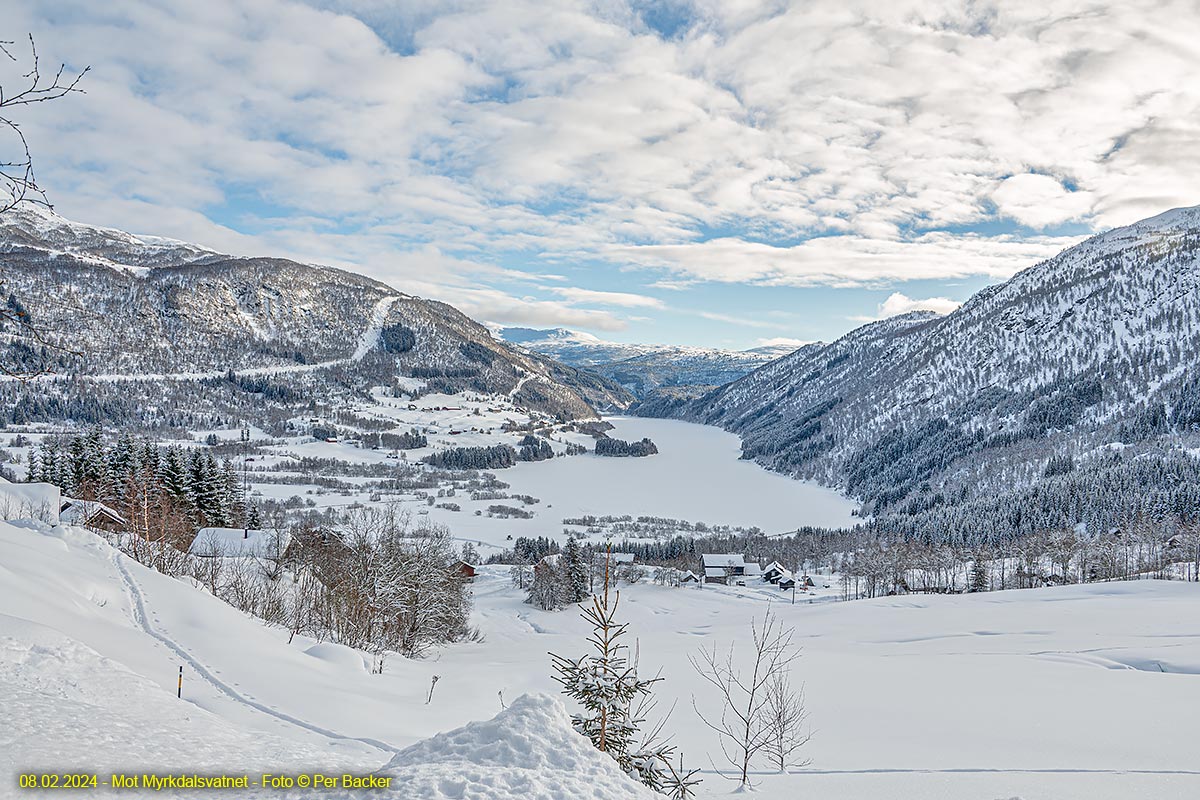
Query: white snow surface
{"points": [[526, 752], [1048, 694]]}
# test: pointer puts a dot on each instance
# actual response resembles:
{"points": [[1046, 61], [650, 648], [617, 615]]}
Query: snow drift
{"points": [[526, 752]]}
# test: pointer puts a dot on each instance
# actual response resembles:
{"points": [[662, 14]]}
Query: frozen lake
{"points": [[696, 476]]}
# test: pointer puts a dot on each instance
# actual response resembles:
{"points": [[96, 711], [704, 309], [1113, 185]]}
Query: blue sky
{"points": [[707, 173]]}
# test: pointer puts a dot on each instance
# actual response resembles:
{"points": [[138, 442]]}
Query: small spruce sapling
{"points": [[615, 699]]}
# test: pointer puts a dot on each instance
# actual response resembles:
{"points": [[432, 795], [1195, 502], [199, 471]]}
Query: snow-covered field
{"points": [[1077, 692]]}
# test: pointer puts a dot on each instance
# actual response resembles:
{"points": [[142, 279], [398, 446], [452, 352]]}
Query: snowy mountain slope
{"points": [[643, 368], [119, 305], [91, 642], [1099, 344]]}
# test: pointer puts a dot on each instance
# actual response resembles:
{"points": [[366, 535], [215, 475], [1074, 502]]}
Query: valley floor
{"points": [[1075, 692]]}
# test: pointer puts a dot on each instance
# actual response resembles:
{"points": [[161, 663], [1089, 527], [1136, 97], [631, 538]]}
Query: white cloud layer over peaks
{"points": [[826, 142]]}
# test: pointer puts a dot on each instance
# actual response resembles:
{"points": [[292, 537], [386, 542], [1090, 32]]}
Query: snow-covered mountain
{"points": [[1098, 345], [643, 368], [105, 304]]}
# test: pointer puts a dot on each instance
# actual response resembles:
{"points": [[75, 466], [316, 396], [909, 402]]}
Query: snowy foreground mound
{"points": [[526, 752]]}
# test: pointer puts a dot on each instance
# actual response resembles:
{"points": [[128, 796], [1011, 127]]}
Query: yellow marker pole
{"points": [[179, 688]]}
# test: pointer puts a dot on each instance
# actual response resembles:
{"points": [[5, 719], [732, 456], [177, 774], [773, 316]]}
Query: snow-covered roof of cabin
{"points": [[622, 558], [774, 565], [714, 572], [79, 512], [723, 560], [38, 501], [752, 569], [239, 542]]}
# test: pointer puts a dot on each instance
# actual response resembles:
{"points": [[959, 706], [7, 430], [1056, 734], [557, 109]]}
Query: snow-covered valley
{"points": [[1072, 692]]}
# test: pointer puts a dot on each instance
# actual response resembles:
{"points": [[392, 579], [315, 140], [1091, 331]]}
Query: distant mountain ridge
{"points": [[643, 368], [1096, 346], [120, 307]]}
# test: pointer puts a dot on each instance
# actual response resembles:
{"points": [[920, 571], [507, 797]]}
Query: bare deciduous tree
{"points": [[18, 184], [16, 171], [787, 729], [744, 727]]}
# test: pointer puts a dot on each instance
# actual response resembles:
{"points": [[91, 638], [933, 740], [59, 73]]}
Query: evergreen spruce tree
{"points": [[574, 573], [174, 476], [205, 487], [979, 574], [233, 508], [608, 688]]}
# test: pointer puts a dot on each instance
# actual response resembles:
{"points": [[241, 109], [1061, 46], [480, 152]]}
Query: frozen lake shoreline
{"points": [[696, 476]]}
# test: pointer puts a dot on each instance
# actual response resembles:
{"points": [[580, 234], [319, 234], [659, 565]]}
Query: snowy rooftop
{"points": [[239, 541], [79, 512], [723, 560]]}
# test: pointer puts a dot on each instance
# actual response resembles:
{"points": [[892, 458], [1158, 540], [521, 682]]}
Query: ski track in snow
{"points": [[142, 620], [366, 342]]}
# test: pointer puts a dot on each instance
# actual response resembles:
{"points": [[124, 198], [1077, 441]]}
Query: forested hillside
{"points": [[1079, 376]]}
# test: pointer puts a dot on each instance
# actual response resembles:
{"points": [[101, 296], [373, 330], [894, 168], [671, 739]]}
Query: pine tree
{"points": [[979, 574], [574, 573]]}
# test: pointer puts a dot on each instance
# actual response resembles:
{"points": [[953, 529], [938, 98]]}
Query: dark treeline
{"points": [[607, 446], [409, 440], [497, 457]]}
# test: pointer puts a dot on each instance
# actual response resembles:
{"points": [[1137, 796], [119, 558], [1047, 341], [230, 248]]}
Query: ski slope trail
{"points": [[138, 605], [370, 337]]}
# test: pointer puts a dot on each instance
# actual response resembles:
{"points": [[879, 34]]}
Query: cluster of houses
{"points": [[732, 569]]}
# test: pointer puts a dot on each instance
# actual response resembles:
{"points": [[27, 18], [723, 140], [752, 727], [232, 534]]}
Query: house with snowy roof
{"points": [[721, 567], [91, 514], [211, 542], [774, 571]]}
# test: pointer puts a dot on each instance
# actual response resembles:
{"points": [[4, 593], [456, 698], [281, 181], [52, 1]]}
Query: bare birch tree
{"points": [[787, 724], [744, 725]]}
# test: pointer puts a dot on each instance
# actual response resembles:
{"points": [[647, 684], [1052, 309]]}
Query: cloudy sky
{"points": [[704, 172]]}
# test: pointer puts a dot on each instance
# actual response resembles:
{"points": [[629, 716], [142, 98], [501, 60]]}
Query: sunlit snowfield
{"points": [[1076, 692]]}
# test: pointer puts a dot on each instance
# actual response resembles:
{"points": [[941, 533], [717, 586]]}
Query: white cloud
{"points": [[1039, 200], [732, 319], [421, 142], [625, 299], [897, 304], [843, 260]]}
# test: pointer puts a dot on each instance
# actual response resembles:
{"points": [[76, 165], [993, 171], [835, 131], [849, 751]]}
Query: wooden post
{"points": [[179, 687]]}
